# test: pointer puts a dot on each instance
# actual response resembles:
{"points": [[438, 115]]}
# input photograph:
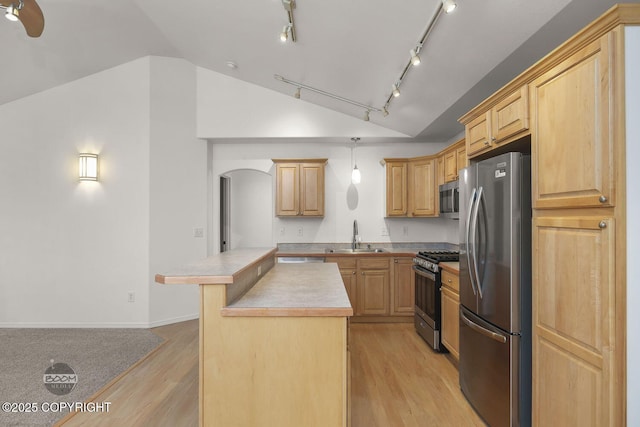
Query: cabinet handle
{"points": [[602, 224], [449, 280], [486, 143], [395, 260], [354, 272], [603, 199], [493, 138]]}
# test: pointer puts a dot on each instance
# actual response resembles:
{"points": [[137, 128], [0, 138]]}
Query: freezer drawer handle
{"points": [[483, 331]]}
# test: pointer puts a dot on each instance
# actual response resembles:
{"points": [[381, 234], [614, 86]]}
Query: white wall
{"points": [[178, 187], [70, 252], [632, 55], [230, 108], [343, 201], [251, 214]]}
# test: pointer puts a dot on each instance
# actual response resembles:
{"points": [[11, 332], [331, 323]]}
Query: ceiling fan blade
{"points": [[30, 15], [32, 18]]}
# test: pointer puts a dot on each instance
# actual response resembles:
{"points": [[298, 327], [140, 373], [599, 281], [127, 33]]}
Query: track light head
{"points": [[415, 59], [296, 95], [449, 5], [366, 116], [284, 35], [395, 90], [385, 112]]}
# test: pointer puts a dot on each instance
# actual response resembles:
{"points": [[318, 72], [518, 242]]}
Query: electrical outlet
{"points": [[282, 231], [405, 230], [198, 232], [300, 233], [384, 231], [132, 297]]}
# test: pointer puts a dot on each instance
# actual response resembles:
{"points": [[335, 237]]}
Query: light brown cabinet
{"points": [[574, 365], [450, 305], [373, 286], [450, 165], [572, 140], [422, 186], [505, 120], [403, 289], [579, 284], [348, 270], [411, 187], [396, 173], [300, 187]]}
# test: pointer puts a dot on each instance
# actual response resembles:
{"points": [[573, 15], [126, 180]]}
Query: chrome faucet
{"points": [[354, 243]]}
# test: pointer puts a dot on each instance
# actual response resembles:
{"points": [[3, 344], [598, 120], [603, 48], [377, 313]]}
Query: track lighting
{"points": [[394, 90], [385, 112], [448, 5], [297, 94], [284, 35], [366, 116], [415, 59], [298, 85]]}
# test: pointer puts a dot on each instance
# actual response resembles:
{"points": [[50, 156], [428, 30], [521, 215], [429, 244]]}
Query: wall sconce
{"points": [[87, 167]]}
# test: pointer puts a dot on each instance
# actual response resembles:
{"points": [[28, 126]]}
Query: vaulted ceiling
{"points": [[355, 49]]}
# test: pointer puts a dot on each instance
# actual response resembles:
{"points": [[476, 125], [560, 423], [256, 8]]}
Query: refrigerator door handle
{"points": [[474, 251], [487, 333], [471, 201]]}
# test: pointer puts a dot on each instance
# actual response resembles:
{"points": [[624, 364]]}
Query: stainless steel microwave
{"points": [[450, 200]]}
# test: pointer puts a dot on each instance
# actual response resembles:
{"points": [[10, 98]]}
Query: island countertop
{"points": [[307, 289], [217, 269]]}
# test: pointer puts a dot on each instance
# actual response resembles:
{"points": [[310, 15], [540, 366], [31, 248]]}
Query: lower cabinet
{"points": [[450, 304], [373, 286], [403, 291], [378, 287]]}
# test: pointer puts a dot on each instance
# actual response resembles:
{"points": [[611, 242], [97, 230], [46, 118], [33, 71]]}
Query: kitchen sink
{"points": [[354, 251]]}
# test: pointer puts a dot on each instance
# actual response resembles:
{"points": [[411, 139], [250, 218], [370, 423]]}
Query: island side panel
{"points": [[284, 371]]}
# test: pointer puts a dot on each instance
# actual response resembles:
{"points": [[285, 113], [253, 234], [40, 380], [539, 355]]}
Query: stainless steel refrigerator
{"points": [[495, 288]]}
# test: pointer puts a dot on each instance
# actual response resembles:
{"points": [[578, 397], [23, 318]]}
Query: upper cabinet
{"points": [[571, 128], [300, 187], [396, 187], [452, 160], [411, 187], [502, 122]]}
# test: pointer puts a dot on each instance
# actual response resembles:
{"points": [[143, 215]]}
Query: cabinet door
{"points": [[312, 189], [403, 296], [461, 154], [287, 190], [574, 315], [373, 298], [477, 134], [350, 283], [450, 303], [570, 127], [510, 116], [422, 186], [450, 166], [440, 170], [396, 188]]}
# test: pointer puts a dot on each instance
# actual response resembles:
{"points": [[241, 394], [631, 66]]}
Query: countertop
{"points": [[222, 268], [310, 289], [452, 267]]}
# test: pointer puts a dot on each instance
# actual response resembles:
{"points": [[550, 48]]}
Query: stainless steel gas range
{"points": [[428, 312]]}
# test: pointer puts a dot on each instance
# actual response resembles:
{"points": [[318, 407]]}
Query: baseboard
{"points": [[78, 325], [99, 325], [173, 320]]}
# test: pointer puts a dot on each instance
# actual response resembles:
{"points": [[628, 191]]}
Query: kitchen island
{"points": [[273, 340]]}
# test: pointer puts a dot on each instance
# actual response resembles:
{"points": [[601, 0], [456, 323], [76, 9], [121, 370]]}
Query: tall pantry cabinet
{"points": [[576, 102]]}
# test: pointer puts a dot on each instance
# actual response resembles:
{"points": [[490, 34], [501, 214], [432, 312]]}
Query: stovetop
{"points": [[437, 256]]}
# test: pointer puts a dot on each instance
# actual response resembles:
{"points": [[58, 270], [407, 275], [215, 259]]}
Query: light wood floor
{"points": [[396, 381]]}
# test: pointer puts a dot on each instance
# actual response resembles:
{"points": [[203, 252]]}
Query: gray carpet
{"points": [[95, 355]]}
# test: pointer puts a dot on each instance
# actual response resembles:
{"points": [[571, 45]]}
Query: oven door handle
{"points": [[427, 274]]}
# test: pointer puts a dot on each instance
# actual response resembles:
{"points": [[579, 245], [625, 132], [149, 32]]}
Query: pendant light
{"points": [[355, 173]]}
